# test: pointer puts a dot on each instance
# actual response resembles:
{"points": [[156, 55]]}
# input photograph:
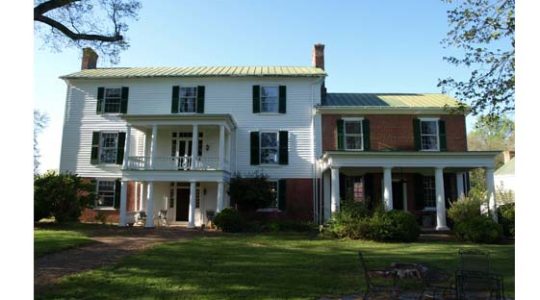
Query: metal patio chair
{"points": [[162, 217]]}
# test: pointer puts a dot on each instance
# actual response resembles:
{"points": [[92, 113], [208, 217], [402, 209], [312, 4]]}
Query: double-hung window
{"points": [[269, 148], [108, 149], [429, 134], [353, 134], [429, 191], [188, 99], [269, 99], [105, 194], [112, 100]]}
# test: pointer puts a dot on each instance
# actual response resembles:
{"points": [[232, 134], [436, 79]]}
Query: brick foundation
{"points": [[113, 215]]}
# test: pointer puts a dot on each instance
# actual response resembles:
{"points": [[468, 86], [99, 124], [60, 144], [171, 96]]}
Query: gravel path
{"points": [[111, 244]]}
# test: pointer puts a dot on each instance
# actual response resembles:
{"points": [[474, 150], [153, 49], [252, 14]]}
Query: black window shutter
{"points": [[124, 101], [117, 192], [256, 99], [175, 99], [100, 96], [417, 138], [282, 99], [419, 191], [94, 156], [283, 147], [120, 148], [200, 99], [442, 135], [254, 142], [93, 183], [282, 194], [367, 136], [340, 135]]}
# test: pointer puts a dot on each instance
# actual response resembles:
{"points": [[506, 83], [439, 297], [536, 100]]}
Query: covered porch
{"points": [[423, 183]]}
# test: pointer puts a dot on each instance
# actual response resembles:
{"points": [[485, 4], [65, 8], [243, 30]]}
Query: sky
{"points": [[371, 46]]}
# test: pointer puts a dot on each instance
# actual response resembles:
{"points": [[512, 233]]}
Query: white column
{"points": [[334, 202], [123, 203], [490, 187], [229, 149], [326, 195], [141, 196], [153, 147], [150, 205], [439, 198], [219, 206], [127, 147], [221, 147], [387, 189], [194, 146], [191, 215], [459, 185]]}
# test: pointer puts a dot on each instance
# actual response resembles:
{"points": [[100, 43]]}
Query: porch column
{"points": [[194, 146], [459, 186], [153, 147], [191, 215], [229, 149], [127, 147], [123, 203], [221, 147], [150, 205], [219, 206], [141, 195], [334, 202], [439, 198], [326, 195], [490, 187], [387, 189]]}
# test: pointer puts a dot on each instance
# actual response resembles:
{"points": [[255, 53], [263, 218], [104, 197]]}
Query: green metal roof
{"points": [[391, 100], [508, 168], [235, 71]]}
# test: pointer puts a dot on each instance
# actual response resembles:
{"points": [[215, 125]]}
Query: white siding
{"points": [[223, 96]]}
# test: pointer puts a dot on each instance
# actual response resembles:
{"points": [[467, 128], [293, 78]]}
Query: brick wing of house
{"points": [[167, 140]]}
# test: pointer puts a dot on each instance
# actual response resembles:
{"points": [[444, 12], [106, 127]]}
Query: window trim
{"points": [[345, 120], [104, 104], [180, 99], [426, 207], [436, 120], [98, 207], [261, 148], [100, 148], [261, 100]]}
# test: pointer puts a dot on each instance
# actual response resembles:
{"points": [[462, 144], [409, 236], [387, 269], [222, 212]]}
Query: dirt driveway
{"points": [[112, 243]]}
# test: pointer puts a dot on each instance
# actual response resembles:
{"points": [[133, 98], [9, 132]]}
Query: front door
{"points": [[182, 205], [397, 195]]}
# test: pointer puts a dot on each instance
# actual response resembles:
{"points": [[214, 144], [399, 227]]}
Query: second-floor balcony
{"points": [[180, 163]]}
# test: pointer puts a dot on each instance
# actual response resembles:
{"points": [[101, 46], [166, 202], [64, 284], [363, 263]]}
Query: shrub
{"points": [[61, 195], [391, 226], [101, 217], [347, 222], [506, 215], [479, 229], [251, 193], [465, 209], [230, 220]]}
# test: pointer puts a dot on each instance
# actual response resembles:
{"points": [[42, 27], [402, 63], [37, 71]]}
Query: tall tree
{"points": [[492, 134], [483, 32], [41, 120], [100, 24]]}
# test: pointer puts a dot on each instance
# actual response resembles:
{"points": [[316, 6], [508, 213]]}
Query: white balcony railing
{"points": [[168, 163]]}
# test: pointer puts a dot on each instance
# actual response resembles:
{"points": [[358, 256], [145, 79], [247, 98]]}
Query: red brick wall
{"points": [[113, 216], [396, 131], [300, 199]]}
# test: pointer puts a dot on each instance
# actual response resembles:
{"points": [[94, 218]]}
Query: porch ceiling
{"points": [[147, 121], [417, 160]]}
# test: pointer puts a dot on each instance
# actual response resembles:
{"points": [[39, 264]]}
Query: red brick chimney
{"points": [[89, 59], [318, 56]]}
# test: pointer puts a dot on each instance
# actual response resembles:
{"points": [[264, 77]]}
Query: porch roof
{"points": [[180, 119], [431, 159]]}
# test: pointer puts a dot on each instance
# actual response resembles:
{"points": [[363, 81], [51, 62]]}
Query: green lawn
{"points": [[51, 240], [259, 266]]}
